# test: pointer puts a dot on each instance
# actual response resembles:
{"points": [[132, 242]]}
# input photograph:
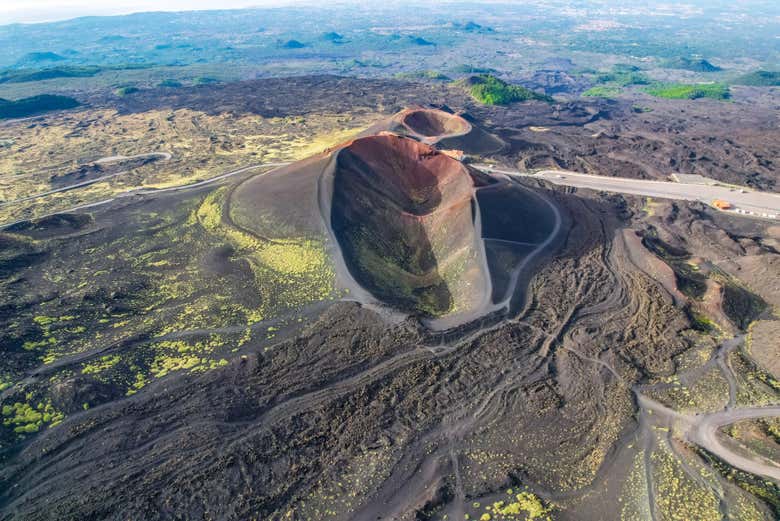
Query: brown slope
{"points": [[404, 216]]}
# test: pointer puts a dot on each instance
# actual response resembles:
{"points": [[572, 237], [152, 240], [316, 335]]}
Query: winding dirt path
{"points": [[165, 156], [135, 191], [704, 433], [702, 429]]}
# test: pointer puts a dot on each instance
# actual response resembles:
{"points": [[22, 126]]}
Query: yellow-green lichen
{"points": [[26, 418], [101, 364]]}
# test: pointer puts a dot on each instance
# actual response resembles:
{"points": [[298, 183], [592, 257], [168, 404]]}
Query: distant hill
{"points": [[472, 27], [292, 44], [417, 40], [490, 90], [24, 75], [333, 37], [61, 71], [691, 64], [760, 78], [25, 107], [35, 58]]}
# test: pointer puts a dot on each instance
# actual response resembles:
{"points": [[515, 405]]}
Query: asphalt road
{"points": [[763, 204]]}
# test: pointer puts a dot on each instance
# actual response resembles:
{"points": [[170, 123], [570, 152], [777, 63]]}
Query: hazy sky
{"points": [[46, 10]]}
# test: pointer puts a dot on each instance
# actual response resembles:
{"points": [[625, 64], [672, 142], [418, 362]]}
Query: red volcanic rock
{"points": [[404, 216], [416, 177]]}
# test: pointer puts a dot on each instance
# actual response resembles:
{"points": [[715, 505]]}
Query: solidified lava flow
{"points": [[404, 215]]}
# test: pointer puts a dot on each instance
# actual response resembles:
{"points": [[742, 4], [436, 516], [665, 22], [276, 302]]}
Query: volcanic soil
{"points": [[229, 369]]}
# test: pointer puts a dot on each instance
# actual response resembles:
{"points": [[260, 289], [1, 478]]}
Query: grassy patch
{"points": [[716, 91], [489, 90], [602, 91], [611, 83]]}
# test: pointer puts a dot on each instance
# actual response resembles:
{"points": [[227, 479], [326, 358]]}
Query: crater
{"points": [[433, 125], [406, 219]]}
